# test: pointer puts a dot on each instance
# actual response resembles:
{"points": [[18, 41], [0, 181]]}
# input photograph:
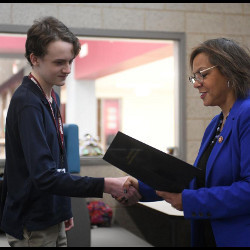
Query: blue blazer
{"points": [[225, 200]]}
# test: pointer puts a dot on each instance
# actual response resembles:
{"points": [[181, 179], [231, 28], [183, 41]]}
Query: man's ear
{"points": [[34, 59]]}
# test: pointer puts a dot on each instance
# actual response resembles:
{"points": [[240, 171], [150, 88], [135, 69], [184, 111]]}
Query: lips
{"points": [[203, 94], [64, 77]]}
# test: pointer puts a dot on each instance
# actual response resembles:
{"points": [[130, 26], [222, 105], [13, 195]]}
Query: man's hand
{"points": [[69, 224], [131, 197], [175, 199]]}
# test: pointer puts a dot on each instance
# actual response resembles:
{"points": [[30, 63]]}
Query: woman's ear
{"points": [[34, 60]]}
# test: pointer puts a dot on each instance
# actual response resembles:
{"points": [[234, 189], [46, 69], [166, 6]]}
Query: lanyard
{"points": [[58, 123]]}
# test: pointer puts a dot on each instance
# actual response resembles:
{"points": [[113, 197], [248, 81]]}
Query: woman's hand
{"points": [[175, 199], [131, 181]]}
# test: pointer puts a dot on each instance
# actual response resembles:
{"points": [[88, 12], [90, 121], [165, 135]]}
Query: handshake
{"points": [[123, 189], [126, 191]]}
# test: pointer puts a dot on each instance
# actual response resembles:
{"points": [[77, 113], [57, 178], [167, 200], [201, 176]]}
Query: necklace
{"points": [[218, 130]]}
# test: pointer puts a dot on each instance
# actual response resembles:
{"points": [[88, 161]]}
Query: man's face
{"points": [[55, 66]]}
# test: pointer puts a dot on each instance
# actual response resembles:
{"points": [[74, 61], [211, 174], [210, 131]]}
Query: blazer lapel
{"points": [[225, 134], [207, 140]]}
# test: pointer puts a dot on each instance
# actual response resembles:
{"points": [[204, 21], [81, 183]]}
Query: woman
{"points": [[218, 204]]}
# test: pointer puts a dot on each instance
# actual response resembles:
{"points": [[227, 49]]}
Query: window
{"points": [[127, 81], [12, 69]]}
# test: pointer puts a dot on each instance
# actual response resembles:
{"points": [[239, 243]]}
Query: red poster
{"points": [[111, 119]]}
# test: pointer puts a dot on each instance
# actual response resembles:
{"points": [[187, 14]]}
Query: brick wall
{"points": [[200, 21]]}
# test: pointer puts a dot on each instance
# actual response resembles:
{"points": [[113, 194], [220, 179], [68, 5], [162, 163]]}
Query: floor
{"points": [[115, 237], [3, 241], [106, 237]]}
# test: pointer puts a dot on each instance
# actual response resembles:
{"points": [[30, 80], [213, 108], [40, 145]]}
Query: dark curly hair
{"points": [[44, 31], [232, 60]]}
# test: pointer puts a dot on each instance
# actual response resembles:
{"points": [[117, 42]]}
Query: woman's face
{"points": [[214, 90]]}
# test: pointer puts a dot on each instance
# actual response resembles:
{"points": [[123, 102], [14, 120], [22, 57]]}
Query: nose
{"points": [[197, 84], [67, 68]]}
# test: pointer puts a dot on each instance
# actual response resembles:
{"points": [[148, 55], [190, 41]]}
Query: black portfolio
{"points": [[155, 168]]}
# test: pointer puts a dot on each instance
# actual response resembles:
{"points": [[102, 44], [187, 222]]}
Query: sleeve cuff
{"points": [[148, 194]]}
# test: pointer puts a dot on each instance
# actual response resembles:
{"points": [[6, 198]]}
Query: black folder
{"points": [[159, 170]]}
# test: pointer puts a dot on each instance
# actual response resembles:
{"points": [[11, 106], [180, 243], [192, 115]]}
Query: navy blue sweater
{"points": [[37, 194]]}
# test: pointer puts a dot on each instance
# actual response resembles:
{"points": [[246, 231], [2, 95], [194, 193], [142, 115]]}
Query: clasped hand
{"points": [[125, 194], [131, 184]]}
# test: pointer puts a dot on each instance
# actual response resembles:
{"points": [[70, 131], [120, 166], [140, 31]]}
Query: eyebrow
{"points": [[63, 60], [200, 69]]}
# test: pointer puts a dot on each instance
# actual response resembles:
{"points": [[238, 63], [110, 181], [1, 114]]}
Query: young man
{"points": [[36, 210]]}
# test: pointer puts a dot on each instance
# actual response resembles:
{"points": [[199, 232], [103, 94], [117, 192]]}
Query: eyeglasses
{"points": [[198, 76]]}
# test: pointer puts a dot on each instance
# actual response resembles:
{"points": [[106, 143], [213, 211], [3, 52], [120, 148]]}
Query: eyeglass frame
{"points": [[194, 78]]}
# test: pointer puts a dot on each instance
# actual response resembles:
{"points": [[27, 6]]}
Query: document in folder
{"points": [[155, 168]]}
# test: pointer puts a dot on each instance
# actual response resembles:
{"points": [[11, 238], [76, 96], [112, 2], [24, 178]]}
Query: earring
{"points": [[228, 84]]}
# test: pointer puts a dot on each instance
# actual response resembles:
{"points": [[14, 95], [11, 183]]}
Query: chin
{"points": [[206, 103], [209, 104], [60, 84]]}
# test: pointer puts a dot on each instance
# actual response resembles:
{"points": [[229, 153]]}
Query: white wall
{"points": [[81, 104], [147, 101]]}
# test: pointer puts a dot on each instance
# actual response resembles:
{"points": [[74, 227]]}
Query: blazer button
{"points": [[200, 214], [193, 214], [208, 215]]}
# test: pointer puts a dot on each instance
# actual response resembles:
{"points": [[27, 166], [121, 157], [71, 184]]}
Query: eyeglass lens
{"points": [[197, 77]]}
